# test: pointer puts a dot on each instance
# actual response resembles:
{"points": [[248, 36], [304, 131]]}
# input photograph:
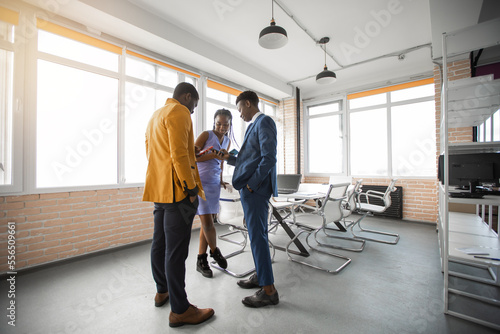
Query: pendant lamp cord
{"points": [[272, 10], [324, 49]]}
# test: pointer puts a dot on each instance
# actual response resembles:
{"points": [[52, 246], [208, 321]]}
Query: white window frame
{"points": [[342, 100], [492, 130], [25, 102], [388, 105], [17, 156]]}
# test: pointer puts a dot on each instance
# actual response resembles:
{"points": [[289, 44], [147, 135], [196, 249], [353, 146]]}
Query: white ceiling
{"points": [[220, 38]]}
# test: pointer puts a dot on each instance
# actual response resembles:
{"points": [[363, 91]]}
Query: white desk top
{"points": [[486, 200], [467, 231], [303, 195]]}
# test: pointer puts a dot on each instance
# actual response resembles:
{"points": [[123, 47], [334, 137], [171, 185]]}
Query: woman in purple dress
{"points": [[210, 167]]}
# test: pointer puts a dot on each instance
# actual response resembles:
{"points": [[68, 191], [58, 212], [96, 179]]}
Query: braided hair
{"points": [[230, 133]]}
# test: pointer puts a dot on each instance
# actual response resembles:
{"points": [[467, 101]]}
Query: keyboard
{"points": [[465, 195]]}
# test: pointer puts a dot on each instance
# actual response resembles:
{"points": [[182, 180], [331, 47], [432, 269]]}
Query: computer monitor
{"points": [[288, 183], [471, 169]]}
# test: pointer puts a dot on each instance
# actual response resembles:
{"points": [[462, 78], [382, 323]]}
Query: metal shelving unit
{"points": [[468, 102]]}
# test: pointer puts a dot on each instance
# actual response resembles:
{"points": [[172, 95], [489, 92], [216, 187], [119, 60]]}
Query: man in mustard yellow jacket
{"points": [[173, 184]]}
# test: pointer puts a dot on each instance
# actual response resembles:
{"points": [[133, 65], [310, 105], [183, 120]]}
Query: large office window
{"points": [[392, 133], [413, 139], [76, 127], [76, 132], [489, 130], [90, 126], [73, 114], [220, 96], [6, 105], [148, 85], [8, 143], [325, 139], [369, 142]]}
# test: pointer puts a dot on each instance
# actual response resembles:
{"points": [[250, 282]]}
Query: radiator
{"points": [[396, 208]]}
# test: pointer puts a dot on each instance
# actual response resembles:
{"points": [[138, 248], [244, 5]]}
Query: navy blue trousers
{"points": [[170, 248], [256, 208]]}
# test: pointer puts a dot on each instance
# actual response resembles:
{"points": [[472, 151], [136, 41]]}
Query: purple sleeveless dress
{"points": [[210, 176]]}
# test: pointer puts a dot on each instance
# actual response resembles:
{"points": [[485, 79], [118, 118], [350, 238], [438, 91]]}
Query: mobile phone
{"points": [[233, 151], [204, 151]]}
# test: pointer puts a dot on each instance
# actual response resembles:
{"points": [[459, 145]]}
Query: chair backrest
{"points": [[332, 203], [349, 204], [335, 179], [388, 191], [230, 209]]}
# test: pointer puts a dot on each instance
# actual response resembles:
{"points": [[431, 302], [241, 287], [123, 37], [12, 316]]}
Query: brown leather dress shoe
{"points": [[192, 316], [161, 299]]}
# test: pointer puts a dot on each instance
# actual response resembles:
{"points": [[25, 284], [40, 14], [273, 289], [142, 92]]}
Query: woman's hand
{"points": [[223, 154]]}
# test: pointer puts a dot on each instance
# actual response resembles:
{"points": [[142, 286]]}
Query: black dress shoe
{"points": [[250, 283], [260, 298], [219, 258]]}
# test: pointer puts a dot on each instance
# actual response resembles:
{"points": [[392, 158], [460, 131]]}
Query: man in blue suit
{"points": [[255, 178]]}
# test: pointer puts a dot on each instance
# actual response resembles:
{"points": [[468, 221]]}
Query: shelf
{"points": [[471, 101], [466, 148], [486, 200], [468, 231], [468, 102]]}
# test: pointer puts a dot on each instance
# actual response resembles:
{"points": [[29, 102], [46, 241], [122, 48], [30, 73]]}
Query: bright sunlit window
{"points": [[77, 51], [393, 133], [6, 116], [413, 147], [86, 127], [76, 127], [489, 130], [325, 138], [369, 142]]}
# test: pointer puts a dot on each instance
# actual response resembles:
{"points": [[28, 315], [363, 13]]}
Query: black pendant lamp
{"points": [[273, 37], [325, 77]]}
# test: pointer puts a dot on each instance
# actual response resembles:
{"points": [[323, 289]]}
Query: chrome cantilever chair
{"points": [[366, 208], [348, 206], [231, 215], [312, 223]]}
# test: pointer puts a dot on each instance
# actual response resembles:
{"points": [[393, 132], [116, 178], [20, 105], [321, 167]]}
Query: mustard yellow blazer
{"points": [[171, 156]]}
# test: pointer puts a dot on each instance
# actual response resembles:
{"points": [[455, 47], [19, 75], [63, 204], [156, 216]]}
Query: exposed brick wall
{"points": [[55, 226], [289, 117], [456, 70], [419, 197]]}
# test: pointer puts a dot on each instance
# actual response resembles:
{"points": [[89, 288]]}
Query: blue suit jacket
{"points": [[255, 164]]}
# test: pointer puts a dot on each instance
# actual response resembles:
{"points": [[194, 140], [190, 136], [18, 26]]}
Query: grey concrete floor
{"points": [[386, 289]]}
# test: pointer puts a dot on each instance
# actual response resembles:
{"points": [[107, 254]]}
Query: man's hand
{"points": [[192, 198]]}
